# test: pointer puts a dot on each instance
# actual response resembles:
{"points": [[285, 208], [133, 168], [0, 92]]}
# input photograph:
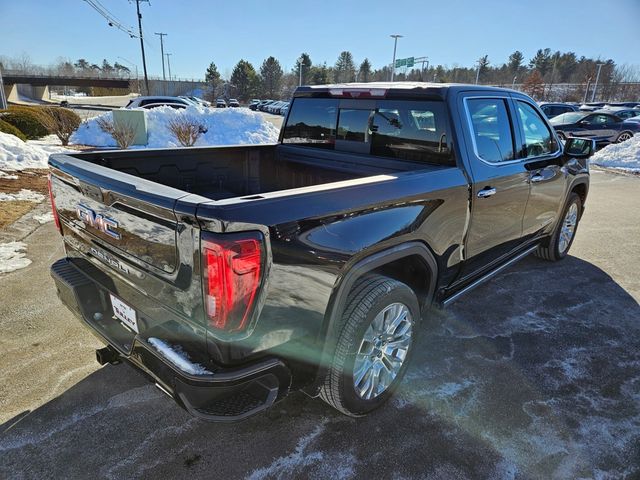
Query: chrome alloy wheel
{"points": [[568, 228], [624, 137], [382, 351]]}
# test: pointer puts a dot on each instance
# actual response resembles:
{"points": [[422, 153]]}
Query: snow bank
{"points": [[178, 357], [11, 256], [18, 155], [24, 195], [6, 176], [228, 126], [44, 218], [624, 156]]}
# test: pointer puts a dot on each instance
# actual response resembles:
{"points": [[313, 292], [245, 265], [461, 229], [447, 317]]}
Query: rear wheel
{"points": [[624, 136], [564, 233], [374, 345]]}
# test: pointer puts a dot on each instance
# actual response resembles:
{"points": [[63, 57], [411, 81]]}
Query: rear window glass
{"points": [[491, 129], [408, 130]]}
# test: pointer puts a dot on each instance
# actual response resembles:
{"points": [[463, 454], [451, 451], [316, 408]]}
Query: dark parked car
{"points": [[554, 109], [604, 128], [254, 104], [622, 112], [263, 104], [234, 275], [220, 103]]}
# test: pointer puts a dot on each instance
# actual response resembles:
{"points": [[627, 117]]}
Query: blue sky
{"points": [[448, 32]]}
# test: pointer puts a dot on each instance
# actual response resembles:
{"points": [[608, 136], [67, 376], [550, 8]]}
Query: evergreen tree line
{"points": [[540, 77]]}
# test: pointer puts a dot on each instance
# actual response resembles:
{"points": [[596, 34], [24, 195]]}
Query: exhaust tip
{"points": [[107, 355]]}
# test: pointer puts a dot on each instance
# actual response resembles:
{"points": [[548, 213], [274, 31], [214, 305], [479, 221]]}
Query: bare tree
{"points": [[59, 121]]}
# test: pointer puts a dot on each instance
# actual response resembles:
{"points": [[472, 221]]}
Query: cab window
{"points": [[538, 139], [491, 129]]}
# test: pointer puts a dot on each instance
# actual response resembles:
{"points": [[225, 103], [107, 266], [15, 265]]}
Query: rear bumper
{"points": [[218, 394]]}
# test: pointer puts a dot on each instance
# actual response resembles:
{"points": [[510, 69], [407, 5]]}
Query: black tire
{"points": [[624, 136], [551, 250], [368, 297]]}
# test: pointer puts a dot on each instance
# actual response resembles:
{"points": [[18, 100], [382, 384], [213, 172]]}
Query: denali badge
{"points": [[91, 218]]}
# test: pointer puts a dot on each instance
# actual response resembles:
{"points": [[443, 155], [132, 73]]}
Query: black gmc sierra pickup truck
{"points": [[234, 275]]}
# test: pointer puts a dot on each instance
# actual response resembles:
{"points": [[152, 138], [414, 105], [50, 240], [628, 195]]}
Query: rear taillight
{"points": [[56, 219], [232, 269]]}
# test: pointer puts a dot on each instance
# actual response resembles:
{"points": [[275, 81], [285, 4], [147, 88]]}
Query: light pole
{"points": [[478, 73], [513, 84], [300, 71], [595, 85], [136, 66], [169, 63], [395, 46]]}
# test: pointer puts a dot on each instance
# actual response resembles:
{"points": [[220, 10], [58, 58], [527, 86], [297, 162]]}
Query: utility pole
{"points": [[586, 92], [395, 46], [595, 85], [144, 60], [478, 73], [169, 63], [3, 98], [164, 78]]}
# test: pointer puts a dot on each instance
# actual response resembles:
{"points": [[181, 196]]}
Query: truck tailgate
{"points": [[141, 234]]}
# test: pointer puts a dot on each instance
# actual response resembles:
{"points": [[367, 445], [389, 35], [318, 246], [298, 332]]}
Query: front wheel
{"points": [[374, 345], [564, 233]]}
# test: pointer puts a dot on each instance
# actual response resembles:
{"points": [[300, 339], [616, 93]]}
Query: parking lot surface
{"points": [[536, 374]]}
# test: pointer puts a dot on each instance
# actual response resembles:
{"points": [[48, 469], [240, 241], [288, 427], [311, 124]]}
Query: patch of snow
{"points": [[12, 256], [24, 195], [228, 126], [178, 357], [44, 218], [6, 176], [623, 156], [18, 155]]}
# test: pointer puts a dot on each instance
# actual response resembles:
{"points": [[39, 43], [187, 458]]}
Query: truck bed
{"points": [[228, 172]]}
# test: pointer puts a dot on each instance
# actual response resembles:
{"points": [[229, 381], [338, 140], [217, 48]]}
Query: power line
{"points": [[112, 21]]}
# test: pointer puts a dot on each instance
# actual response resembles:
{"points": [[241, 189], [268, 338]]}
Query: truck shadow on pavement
{"points": [[535, 374]]}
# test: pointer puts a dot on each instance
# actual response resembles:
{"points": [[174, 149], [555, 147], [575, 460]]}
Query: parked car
{"points": [[157, 101], [285, 109], [600, 126], [177, 106], [197, 100], [591, 106], [234, 103], [252, 271], [622, 112], [625, 104], [253, 105], [263, 104], [554, 109], [220, 103]]}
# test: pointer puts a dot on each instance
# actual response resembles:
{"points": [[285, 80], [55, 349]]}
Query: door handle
{"points": [[537, 178], [486, 192]]}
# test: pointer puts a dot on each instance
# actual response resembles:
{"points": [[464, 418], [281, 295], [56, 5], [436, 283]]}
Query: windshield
{"points": [[570, 117]]}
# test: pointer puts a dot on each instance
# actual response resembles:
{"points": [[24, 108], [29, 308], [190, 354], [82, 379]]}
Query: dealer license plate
{"points": [[124, 313]]}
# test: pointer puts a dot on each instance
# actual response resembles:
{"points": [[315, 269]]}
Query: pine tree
{"points": [[212, 77], [244, 80], [364, 72], [344, 70], [307, 65], [271, 77], [541, 61], [515, 62]]}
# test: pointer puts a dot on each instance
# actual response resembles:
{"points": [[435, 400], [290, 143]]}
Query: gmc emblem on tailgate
{"points": [[96, 220]]}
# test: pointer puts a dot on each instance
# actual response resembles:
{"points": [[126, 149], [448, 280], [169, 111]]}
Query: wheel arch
{"points": [[393, 263]]}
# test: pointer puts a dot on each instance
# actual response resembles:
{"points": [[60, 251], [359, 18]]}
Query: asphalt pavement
{"points": [[536, 374]]}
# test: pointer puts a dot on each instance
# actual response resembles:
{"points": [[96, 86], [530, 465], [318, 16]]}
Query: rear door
{"points": [[500, 181]]}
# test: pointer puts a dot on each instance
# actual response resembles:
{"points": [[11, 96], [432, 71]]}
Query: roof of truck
{"points": [[415, 88]]}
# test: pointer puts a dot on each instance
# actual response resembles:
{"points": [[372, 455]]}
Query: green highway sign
{"points": [[405, 62]]}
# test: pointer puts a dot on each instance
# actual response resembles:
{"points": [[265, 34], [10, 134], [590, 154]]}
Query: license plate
{"points": [[124, 313]]}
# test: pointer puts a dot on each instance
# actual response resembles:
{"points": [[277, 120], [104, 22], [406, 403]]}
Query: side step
{"points": [[488, 276]]}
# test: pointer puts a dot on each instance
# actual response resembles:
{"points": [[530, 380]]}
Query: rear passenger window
{"points": [[312, 123], [415, 131], [491, 127], [538, 139]]}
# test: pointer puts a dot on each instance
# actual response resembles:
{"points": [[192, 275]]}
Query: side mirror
{"points": [[579, 147]]}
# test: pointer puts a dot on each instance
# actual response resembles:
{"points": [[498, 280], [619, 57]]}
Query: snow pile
{"points": [[624, 156], [228, 126], [11, 256], [178, 357], [44, 218], [23, 195], [17, 155]]}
